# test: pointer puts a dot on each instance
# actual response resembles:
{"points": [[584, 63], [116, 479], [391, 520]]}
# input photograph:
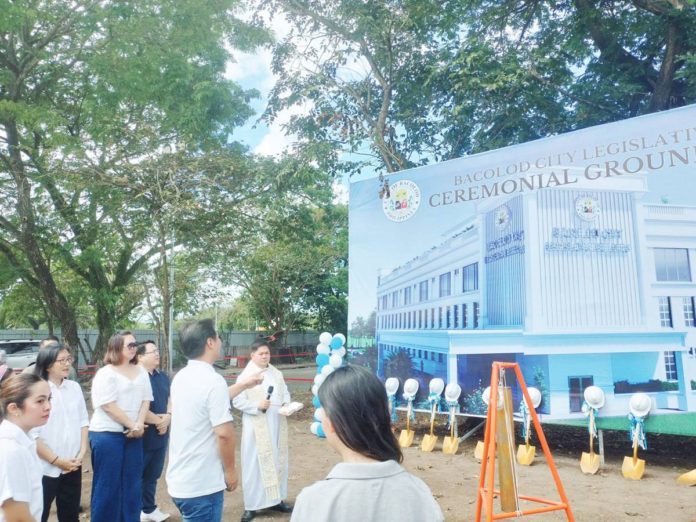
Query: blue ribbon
{"points": [[452, 406], [392, 403], [638, 424], [525, 416], [591, 426], [411, 414], [434, 398]]}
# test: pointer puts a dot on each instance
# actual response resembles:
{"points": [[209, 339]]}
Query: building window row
{"points": [[415, 353], [443, 317], [672, 264], [665, 309], [427, 288]]}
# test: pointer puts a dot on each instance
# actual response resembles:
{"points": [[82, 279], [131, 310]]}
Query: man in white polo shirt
{"points": [[202, 443]]}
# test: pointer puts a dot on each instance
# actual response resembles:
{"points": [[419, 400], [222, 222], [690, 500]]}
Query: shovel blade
{"points": [[589, 463], [525, 454], [633, 470], [688, 478], [406, 438], [478, 451], [428, 442], [450, 445]]}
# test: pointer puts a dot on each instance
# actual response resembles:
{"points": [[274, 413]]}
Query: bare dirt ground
{"points": [[453, 479]]}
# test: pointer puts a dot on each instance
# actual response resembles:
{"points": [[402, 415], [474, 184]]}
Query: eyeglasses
{"points": [[152, 351], [66, 360], [132, 346]]}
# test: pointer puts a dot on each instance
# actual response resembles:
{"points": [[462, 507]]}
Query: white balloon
{"points": [[325, 338], [340, 351], [323, 348], [319, 379], [326, 370], [319, 414], [392, 385], [341, 337], [314, 427], [335, 360], [315, 389]]}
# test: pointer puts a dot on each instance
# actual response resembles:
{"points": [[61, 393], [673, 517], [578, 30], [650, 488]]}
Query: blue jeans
{"points": [[153, 463], [117, 463], [201, 509]]}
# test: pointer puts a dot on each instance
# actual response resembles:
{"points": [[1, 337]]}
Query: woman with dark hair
{"points": [[121, 395], [369, 484], [25, 404], [62, 441]]}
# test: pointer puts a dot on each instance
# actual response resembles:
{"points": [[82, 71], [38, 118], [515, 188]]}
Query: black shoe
{"points": [[282, 507], [248, 516]]}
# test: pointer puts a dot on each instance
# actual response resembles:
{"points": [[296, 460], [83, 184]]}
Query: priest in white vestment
{"points": [[264, 447]]}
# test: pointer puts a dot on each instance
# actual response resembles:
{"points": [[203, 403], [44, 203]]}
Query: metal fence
{"points": [[235, 344]]}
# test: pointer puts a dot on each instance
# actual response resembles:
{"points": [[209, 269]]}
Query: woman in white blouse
{"points": [[62, 442], [25, 404], [121, 395]]}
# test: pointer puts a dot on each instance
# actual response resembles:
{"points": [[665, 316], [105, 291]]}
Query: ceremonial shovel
{"points": [[410, 390], [406, 436], [525, 452], [430, 440], [589, 462], [633, 468], [450, 444]]}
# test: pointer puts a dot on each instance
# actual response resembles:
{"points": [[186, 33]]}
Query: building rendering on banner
{"points": [[582, 285]]}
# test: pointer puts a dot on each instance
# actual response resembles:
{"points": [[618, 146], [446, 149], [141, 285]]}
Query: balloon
{"points": [[314, 428], [322, 359], [341, 351], [325, 338], [326, 370], [392, 385], [335, 360], [315, 402], [315, 389], [323, 348], [335, 344], [319, 379], [320, 367], [319, 414], [341, 338], [320, 431]]}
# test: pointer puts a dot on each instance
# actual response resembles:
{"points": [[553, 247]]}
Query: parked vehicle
{"points": [[20, 353]]}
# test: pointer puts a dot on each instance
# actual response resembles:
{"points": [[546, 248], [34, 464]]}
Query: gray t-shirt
{"points": [[380, 491]]}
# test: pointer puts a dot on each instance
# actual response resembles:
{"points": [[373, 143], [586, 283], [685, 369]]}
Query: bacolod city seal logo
{"points": [[587, 208], [403, 202], [502, 218]]}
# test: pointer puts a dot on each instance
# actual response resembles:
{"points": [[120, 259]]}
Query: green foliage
{"points": [[400, 365], [473, 402], [395, 84]]}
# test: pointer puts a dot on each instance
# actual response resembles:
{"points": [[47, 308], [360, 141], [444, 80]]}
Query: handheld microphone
{"points": [[268, 396]]}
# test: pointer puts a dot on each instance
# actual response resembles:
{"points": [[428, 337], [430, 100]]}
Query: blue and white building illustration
{"points": [[588, 286]]}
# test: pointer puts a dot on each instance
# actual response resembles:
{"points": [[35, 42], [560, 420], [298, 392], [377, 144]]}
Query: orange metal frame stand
{"points": [[487, 493]]}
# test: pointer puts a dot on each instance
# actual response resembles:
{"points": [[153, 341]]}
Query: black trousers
{"points": [[66, 489]]}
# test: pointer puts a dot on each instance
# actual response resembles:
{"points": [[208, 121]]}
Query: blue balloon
{"points": [[322, 359], [315, 402], [319, 369], [335, 343], [320, 431]]}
